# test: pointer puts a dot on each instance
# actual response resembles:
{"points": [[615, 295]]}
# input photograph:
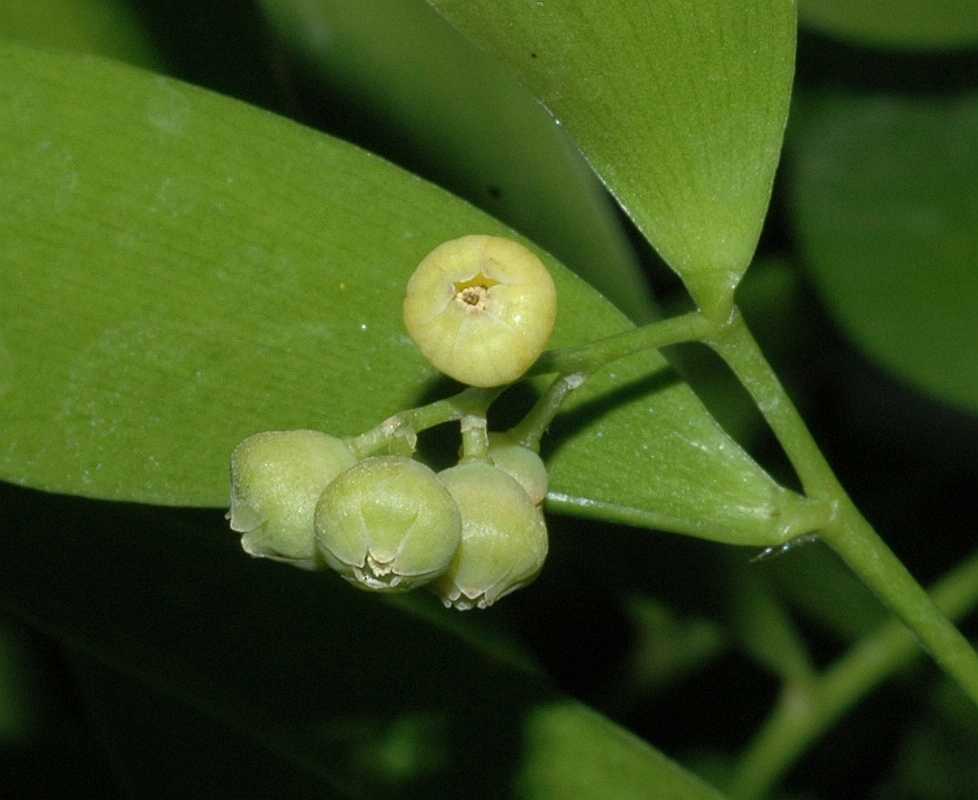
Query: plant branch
{"points": [[574, 364], [848, 533], [531, 428], [592, 357], [475, 439], [805, 711], [405, 425]]}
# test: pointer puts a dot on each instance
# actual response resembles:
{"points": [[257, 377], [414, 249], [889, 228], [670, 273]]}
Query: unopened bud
{"points": [[520, 463], [276, 480], [388, 524], [504, 537]]}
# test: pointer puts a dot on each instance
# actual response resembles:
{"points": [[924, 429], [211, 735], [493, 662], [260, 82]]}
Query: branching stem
{"points": [[848, 533], [531, 428], [407, 424], [805, 711], [845, 529]]}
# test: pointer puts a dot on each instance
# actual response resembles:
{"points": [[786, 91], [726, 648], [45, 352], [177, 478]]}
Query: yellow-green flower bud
{"points": [[481, 309], [504, 537], [388, 524], [520, 463], [276, 480]]}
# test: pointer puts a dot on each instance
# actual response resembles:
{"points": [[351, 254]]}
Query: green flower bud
{"points": [[388, 524], [504, 537], [481, 309], [520, 463], [276, 480]]}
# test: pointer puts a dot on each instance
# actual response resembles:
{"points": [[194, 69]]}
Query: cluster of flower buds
{"points": [[481, 309]]}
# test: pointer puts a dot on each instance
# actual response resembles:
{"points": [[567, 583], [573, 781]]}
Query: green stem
{"points": [[734, 343], [805, 711], [531, 428], [848, 533], [400, 431], [591, 357], [405, 425], [475, 438]]}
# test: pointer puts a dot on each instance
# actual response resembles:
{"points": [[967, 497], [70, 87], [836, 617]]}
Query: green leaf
{"points": [[357, 692], [561, 734], [458, 117], [906, 24], [886, 215], [679, 107], [106, 27], [182, 270]]}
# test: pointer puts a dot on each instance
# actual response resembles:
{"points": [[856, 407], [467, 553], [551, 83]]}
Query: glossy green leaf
{"points": [[679, 107], [181, 270], [896, 23], [885, 209], [356, 692], [108, 27], [460, 118]]}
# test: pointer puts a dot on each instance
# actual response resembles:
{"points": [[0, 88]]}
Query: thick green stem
{"points": [[849, 534], [805, 711], [734, 343], [854, 539]]}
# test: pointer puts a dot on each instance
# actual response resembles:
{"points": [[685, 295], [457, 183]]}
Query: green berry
{"points": [[520, 463], [481, 309], [388, 524], [276, 480], [504, 537]]}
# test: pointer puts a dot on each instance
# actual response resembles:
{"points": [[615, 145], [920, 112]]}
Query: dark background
{"points": [[907, 459]]}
